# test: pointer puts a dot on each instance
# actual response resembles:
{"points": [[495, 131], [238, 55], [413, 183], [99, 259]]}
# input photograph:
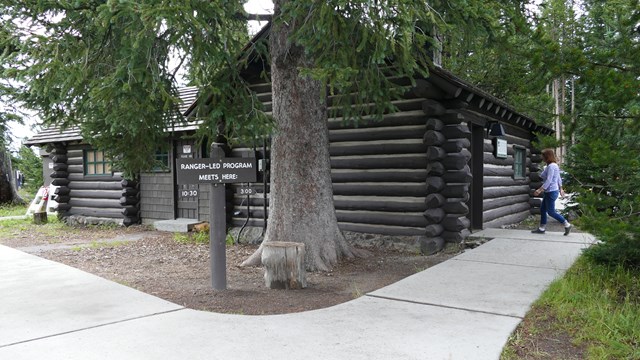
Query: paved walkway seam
{"points": [[504, 263], [443, 306], [93, 327]]}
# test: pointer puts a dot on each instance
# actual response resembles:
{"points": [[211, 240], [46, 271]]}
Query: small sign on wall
{"points": [[186, 149], [500, 148]]}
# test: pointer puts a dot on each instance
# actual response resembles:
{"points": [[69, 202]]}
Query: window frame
{"points": [[519, 165], [162, 156], [105, 166]]}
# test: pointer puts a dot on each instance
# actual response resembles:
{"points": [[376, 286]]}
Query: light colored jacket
{"points": [[551, 178]]}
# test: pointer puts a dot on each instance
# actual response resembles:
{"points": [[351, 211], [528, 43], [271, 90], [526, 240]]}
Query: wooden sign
{"points": [[216, 171]]}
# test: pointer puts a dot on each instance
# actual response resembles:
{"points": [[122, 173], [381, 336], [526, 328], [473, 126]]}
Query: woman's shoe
{"points": [[567, 230], [538, 231]]}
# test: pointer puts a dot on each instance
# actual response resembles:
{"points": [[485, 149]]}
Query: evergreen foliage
{"points": [[30, 165]]}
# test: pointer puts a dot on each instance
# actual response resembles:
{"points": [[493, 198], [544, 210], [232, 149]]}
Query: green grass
{"points": [[197, 237], [599, 306], [13, 227], [12, 210]]}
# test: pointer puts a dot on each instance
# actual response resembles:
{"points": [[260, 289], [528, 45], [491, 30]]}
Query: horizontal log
{"points": [[95, 185], [458, 176], [381, 147], [455, 161], [399, 161], [129, 192], [490, 215], [95, 194], [126, 183], [455, 223], [60, 167], [456, 191], [456, 131], [535, 202], [62, 207], [381, 229], [75, 169], [60, 182], [433, 230], [434, 200], [457, 104], [61, 190], [380, 189], [433, 138], [435, 184], [507, 220], [378, 133], [497, 171], [456, 145], [95, 203], [505, 201], [535, 177], [434, 124], [456, 237], [130, 211], [434, 216], [432, 107], [382, 218], [75, 161], [490, 181], [378, 175], [96, 212], [414, 117], [129, 200], [492, 160], [56, 150], [460, 208], [59, 175], [430, 245], [435, 168], [452, 117], [450, 89], [435, 153], [61, 198], [81, 177], [426, 89], [59, 158], [490, 193], [379, 203]]}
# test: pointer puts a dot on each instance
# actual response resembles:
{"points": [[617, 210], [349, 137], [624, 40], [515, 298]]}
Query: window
{"points": [[519, 169], [161, 161], [95, 163]]}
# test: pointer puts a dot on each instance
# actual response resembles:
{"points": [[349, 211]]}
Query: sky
{"points": [[22, 131]]}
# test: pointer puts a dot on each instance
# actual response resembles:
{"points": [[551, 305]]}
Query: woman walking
{"points": [[552, 187]]}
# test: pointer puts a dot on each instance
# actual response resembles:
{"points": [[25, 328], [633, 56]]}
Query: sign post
{"points": [[217, 229], [217, 171]]}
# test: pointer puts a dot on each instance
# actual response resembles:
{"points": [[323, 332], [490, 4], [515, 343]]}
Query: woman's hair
{"points": [[549, 156]]}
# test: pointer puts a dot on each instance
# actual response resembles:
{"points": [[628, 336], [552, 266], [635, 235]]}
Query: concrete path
{"points": [[464, 308]]}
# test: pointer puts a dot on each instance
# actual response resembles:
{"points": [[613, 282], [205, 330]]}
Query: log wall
{"points": [[107, 197]]}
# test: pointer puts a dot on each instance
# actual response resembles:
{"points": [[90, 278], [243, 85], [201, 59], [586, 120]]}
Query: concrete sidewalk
{"points": [[464, 308]]}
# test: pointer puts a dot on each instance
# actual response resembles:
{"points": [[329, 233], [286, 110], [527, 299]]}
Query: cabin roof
{"points": [[55, 134]]}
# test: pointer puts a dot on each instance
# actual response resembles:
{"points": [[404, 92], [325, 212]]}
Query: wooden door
{"points": [[186, 195]]}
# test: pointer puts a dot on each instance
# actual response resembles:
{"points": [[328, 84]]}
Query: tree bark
{"points": [[301, 200], [8, 191]]}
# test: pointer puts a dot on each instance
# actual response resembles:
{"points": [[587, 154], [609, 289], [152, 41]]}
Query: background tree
{"points": [[30, 165], [104, 66]]}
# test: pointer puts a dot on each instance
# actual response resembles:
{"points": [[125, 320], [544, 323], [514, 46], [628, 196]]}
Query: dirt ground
{"points": [[178, 271]]}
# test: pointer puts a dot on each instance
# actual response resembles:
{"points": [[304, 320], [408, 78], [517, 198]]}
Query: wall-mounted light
{"points": [[495, 129]]}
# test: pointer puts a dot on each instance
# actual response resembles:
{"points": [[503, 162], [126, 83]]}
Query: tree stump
{"points": [[40, 218], [284, 265]]}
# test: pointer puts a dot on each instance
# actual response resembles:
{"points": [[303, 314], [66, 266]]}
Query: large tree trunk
{"points": [[8, 191], [301, 196]]}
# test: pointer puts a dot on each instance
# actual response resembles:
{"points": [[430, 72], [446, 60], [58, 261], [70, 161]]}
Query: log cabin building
{"points": [[452, 159]]}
